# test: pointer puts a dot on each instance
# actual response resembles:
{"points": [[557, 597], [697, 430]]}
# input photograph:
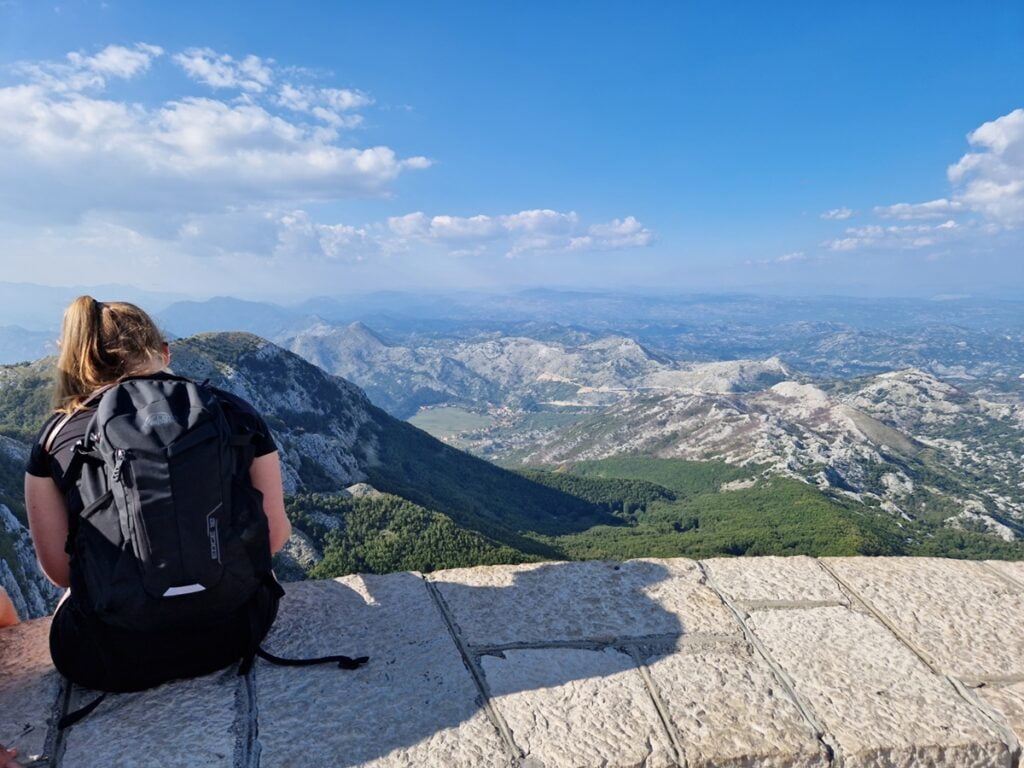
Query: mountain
{"points": [[223, 313], [31, 592], [398, 379], [485, 370], [905, 442], [18, 344], [330, 436], [40, 307]]}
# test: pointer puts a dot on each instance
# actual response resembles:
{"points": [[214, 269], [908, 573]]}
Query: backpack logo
{"points": [[159, 419], [212, 532]]}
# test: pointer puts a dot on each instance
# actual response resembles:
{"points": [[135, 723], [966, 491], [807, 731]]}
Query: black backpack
{"points": [[172, 533]]}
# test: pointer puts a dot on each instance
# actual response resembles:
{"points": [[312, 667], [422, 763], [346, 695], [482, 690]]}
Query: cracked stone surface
{"points": [[965, 618], [413, 704], [784, 579], [572, 665], [1009, 701], [572, 602], [153, 723], [1015, 570], [566, 707], [728, 709], [28, 686], [879, 701]]}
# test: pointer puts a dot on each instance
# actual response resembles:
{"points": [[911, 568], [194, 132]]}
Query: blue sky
{"points": [[282, 149]]}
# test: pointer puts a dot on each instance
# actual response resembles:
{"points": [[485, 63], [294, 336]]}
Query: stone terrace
{"points": [[726, 662]]}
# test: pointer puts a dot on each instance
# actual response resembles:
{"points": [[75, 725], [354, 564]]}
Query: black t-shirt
{"points": [[53, 463]]}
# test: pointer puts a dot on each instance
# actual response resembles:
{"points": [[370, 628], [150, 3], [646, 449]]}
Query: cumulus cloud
{"points": [[68, 147], [233, 175], [990, 179], [839, 214], [80, 72], [220, 70], [538, 230], [985, 199]]}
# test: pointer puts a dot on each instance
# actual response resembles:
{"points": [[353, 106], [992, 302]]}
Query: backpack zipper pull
{"points": [[121, 454]]}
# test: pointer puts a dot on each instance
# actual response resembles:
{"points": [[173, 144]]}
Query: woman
{"points": [[102, 344]]}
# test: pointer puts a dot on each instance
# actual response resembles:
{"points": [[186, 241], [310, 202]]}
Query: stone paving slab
{"points": [[29, 687], [413, 704], [781, 579], [964, 618], [581, 601], [881, 704], [145, 729], [728, 709], [1009, 701], [1013, 569], [570, 707]]}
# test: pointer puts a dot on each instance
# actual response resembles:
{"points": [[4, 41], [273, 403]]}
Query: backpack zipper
{"points": [[122, 475]]}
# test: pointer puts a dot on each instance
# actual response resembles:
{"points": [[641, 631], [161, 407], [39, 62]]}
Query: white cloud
{"points": [[839, 214], [80, 72], [786, 258], [332, 105], [933, 209], [991, 178], [67, 148], [905, 237], [792, 256], [986, 198], [537, 230], [220, 70]]}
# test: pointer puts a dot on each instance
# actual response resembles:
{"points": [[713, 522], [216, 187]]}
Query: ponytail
{"points": [[99, 344]]}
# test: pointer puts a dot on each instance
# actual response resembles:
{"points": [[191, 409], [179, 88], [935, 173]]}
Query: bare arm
{"points": [[266, 477], [48, 524]]}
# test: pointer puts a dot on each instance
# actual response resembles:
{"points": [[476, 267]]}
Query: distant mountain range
{"points": [[975, 341]]}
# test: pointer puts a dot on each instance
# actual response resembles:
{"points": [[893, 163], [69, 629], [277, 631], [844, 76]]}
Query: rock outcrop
{"points": [[724, 662]]}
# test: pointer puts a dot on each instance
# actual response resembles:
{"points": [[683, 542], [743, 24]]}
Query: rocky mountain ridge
{"points": [[904, 441], [494, 370]]}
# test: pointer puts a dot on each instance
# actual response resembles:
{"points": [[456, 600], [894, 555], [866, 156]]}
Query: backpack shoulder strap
{"points": [[57, 426]]}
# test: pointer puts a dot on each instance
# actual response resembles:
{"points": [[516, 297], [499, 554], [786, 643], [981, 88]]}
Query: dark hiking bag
{"points": [[172, 535]]}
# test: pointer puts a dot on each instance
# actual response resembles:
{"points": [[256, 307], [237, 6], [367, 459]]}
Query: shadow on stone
{"points": [[549, 633]]}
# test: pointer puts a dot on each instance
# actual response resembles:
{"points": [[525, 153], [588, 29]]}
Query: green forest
{"points": [[641, 507]]}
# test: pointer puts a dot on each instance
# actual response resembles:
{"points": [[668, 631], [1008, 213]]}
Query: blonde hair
{"points": [[101, 343]]}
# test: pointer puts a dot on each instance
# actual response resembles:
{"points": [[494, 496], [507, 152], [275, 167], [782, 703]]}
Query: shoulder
{"points": [[245, 417], [47, 427], [58, 430], [236, 403]]}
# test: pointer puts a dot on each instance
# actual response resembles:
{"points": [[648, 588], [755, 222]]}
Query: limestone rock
{"points": [[964, 618], [1008, 700], [29, 687], [773, 579], [728, 709], [178, 725], [361, 490], [883, 706], [567, 707], [581, 601], [413, 704], [298, 555]]}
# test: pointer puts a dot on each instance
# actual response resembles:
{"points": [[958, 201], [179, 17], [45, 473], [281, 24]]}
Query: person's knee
{"points": [[8, 615]]}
